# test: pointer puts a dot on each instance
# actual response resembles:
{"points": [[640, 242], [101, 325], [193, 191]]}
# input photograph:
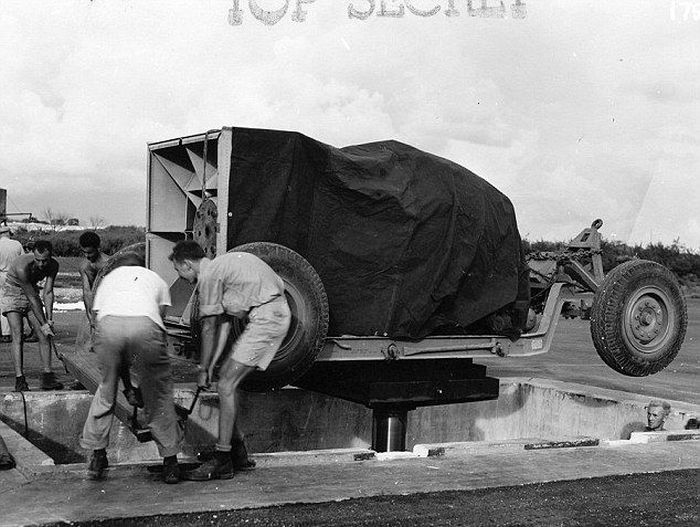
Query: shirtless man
{"points": [[20, 294], [94, 261]]}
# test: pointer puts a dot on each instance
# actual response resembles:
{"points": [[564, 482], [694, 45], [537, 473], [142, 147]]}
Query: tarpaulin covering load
{"points": [[405, 242]]}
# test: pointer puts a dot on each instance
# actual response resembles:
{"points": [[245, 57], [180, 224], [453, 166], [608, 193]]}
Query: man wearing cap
{"points": [[235, 284], [21, 294], [9, 250]]}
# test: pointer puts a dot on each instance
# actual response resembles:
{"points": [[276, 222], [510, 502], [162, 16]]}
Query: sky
{"points": [[575, 110]]}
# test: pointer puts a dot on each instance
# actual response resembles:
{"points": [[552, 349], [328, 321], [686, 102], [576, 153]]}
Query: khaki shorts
{"points": [[262, 337], [12, 298]]}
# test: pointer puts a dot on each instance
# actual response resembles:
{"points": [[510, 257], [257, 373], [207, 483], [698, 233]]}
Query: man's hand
{"points": [[47, 330], [203, 377]]}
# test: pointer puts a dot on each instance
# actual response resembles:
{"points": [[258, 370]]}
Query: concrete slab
{"points": [[25, 453], [71, 498]]}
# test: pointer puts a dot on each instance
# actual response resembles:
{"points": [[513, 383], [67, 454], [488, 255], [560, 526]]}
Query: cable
{"points": [[26, 421]]}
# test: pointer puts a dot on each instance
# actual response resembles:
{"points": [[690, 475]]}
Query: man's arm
{"points": [[48, 298], [87, 293], [48, 291], [32, 295], [209, 330], [224, 331]]}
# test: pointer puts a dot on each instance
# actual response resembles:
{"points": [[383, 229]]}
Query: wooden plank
{"points": [[84, 366]]}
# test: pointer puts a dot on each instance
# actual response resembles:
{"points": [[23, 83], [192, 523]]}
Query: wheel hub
{"points": [[647, 321]]}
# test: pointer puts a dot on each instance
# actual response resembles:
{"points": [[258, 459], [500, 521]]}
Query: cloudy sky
{"points": [[579, 110]]}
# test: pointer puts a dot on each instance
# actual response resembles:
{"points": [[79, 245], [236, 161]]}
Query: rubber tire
{"points": [[612, 316], [137, 250], [309, 306]]}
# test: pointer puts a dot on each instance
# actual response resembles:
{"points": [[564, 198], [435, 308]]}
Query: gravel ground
{"points": [[669, 498]]}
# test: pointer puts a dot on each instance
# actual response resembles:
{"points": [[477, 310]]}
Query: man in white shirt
{"points": [[129, 305], [9, 250]]}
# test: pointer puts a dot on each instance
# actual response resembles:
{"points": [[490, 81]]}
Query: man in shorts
{"points": [[21, 294], [9, 250], [240, 285]]}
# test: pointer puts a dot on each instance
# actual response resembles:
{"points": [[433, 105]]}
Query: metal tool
{"points": [[184, 413], [143, 435], [59, 356]]}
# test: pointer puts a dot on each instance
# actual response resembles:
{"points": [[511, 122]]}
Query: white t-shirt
{"points": [[132, 291]]}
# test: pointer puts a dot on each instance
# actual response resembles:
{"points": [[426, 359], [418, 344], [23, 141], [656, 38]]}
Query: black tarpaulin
{"points": [[405, 242]]}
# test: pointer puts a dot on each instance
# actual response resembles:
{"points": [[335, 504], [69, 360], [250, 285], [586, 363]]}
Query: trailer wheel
{"points": [[638, 318], [309, 306]]}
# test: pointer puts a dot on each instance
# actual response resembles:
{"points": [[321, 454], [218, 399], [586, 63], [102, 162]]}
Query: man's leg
{"points": [[95, 434], [15, 320], [149, 355], [44, 347], [48, 378], [230, 376], [4, 328], [221, 465]]}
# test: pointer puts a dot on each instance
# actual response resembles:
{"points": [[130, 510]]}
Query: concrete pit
{"points": [[527, 412]]}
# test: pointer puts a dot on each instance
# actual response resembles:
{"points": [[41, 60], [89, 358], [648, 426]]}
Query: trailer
{"points": [[637, 312]]}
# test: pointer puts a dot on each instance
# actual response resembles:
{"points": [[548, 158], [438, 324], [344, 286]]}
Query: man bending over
{"points": [[235, 284], [21, 294]]}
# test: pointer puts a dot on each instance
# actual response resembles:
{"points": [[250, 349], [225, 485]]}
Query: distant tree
{"points": [[56, 219], [96, 222]]}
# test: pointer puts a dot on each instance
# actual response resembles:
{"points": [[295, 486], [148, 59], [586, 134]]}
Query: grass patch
{"points": [[69, 264]]}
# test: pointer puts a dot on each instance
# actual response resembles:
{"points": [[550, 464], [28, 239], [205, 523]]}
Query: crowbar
{"points": [[59, 356]]}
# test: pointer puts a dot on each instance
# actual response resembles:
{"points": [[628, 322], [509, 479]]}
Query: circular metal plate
{"points": [[204, 227]]}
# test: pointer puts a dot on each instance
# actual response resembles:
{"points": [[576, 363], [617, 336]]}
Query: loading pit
{"points": [[293, 420]]}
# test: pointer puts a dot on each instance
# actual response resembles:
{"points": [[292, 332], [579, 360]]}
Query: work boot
{"points": [[49, 382], [239, 457], [21, 384], [171, 470], [218, 467], [98, 464]]}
